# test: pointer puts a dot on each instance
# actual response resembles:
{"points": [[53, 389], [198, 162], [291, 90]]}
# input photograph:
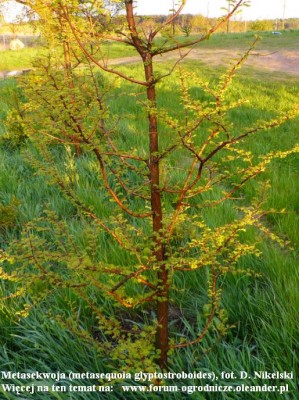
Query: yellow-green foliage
{"points": [[13, 121], [111, 185], [8, 214], [15, 134]]}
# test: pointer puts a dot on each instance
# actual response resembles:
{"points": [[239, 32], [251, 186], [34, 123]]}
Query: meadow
{"points": [[237, 41], [263, 311]]}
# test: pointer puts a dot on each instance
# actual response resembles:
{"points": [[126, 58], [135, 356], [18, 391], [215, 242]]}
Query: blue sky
{"points": [[259, 8]]}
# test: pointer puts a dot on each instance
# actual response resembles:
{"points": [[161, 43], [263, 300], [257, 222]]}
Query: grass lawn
{"points": [[235, 41], [288, 40], [20, 59]]}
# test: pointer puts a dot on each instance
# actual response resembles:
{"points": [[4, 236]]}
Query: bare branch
{"points": [[208, 323], [169, 20], [202, 38], [96, 62]]}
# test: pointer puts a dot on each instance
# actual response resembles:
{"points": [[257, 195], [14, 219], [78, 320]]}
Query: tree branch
{"points": [[202, 38]]}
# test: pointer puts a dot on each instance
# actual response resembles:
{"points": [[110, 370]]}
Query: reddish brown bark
{"points": [[156, 206], [155, 193]]}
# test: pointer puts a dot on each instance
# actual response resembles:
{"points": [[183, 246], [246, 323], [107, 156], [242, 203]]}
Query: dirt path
{"points": [[281, 61], [286, 61]]}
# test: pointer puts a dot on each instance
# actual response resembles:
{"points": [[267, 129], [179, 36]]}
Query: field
{"points": [[229, 45], [263, 311]]}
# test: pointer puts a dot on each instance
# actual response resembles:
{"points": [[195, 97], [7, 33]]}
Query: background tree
{"points": [[200, 23], [186, 24], [261, 25]]}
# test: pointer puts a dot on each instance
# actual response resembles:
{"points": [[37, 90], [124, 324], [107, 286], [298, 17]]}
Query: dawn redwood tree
{"points": [[144, 45], [134, 195]]}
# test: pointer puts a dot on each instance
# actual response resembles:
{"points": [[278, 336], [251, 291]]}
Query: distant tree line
{"points": [[188, 23]]}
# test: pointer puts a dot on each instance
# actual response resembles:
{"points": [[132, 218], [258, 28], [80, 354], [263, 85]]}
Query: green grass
{"points": [[19, 59], [287, 40], [24, 58], [263, 311], [11, 60], [21, 29]]}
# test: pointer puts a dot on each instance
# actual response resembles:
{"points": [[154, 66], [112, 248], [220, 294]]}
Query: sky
{"points": [[260, 9]]}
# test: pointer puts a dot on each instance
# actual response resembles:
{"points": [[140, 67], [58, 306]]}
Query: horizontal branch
{"points": [[135, 275], [202, 38], [209, 320]]}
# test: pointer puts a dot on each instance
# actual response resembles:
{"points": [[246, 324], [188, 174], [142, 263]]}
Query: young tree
{"points": [[155, 216], [186, 25]]}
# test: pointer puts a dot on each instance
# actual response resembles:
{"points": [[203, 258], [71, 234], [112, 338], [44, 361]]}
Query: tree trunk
{"points": [[157, 221]]}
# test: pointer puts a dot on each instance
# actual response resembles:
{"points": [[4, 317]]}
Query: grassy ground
{"points": [[20, 59], [237, 41], [287, 40], [24, 58], [21, 29], [264, 311]]}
